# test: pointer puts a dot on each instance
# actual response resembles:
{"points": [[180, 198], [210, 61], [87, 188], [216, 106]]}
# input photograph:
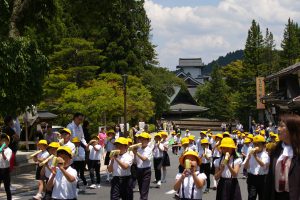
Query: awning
{"points": [[186, 108], [43, 114], [285, 71]]}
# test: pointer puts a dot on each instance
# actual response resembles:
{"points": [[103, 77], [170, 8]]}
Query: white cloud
{"points": [[212, 31]]}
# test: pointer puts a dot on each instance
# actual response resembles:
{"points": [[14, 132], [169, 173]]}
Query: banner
{"points": [[260, 92]]}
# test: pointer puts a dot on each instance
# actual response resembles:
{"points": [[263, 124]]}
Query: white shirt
{"points": [[43, 155], [208, 153], [193, 147], [8, 154], [187, 185], [158, 150], [255, 168], [80, 154], [217, 153], [287, 151], [63, 189], [95, 154], [118, 170], [47, 171], [71, 145], [77, 131], [246, 149], [146, 152], [226, 173]]}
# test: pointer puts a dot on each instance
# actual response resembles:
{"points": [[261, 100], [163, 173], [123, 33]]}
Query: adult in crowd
{"points": [[283, 179], [76, 128], [50, 136], [85, 129]]}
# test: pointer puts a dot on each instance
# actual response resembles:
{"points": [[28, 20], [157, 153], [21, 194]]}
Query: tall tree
{"points": [[290, 44]]}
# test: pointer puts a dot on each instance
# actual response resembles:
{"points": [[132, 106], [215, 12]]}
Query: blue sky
{"points": [[212, 28]]}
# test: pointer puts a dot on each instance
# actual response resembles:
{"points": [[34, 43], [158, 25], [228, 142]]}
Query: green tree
{"points": [[215, 95], [290, 44], [23, 68]]}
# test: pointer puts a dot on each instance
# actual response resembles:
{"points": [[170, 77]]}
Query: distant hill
{"points": [[223, 61]]}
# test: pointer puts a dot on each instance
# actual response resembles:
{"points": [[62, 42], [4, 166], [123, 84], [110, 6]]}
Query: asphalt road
{"points": [[163, 193]]}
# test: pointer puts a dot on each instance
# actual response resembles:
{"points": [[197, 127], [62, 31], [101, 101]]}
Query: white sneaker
{"points": [[158, 184], [98, 186], [93, 186], [38, 196]]}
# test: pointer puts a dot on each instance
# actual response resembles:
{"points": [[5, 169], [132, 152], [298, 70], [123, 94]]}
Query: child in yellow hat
{"points": [[257, 163], [120, 167], [158, 153], [205, 156], [227, 169], [245, 150], [191, 181], [166, 159], [40, 157], [79, 161], [94, 149], [63, 179], [216, 154]]}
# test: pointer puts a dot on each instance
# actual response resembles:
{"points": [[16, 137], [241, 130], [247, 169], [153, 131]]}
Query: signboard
{"points": [[260, 92]]}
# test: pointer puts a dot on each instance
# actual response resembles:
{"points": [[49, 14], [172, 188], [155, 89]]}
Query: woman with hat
{"points": [[120, 166], [227, 169], [257, 163], [216, 154], [143, 156], [63, 179], [40, 157], [283, 179], [189, 184], [5, 156], [158, 153]]}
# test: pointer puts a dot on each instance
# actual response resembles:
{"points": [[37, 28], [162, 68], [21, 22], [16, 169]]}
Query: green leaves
{"points": [[23, 68]]}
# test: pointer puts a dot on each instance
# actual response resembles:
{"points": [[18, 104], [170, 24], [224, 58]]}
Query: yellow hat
{"points": [[228, 142], [219, 135], [259, 138], [75, 139], [226, 133], [204, 141], [129, 140], [185, 140], [66, 130], [189, 153], [157, 135], [192, 137], [247, 141], [243, 135], [187, 130], [122, 140], [3, 135], [209, 135], [93, 137], [272, 134], [246, 133], [173, 133], [65, 149], [277, 139], [263, 132], [110, 131], [43, 142], [145, 135], [250, 136], [54, 145], [203, 132], [163, 133]]}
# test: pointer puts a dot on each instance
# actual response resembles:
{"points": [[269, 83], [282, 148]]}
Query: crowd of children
{"points": [[61, 164]]}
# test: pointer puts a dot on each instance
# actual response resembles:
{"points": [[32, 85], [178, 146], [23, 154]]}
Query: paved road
{"points": [[163, 193]]}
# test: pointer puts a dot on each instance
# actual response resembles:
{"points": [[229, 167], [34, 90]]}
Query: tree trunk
{"points": [[18, 6]]}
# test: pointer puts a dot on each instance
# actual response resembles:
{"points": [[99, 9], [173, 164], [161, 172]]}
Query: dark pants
{"points": [[228, 189], [144, 178], [121, 188], [133, 175], [94, 165], [80, 166], [157, 168], [5, 177], [256, 185], [205, 168]]}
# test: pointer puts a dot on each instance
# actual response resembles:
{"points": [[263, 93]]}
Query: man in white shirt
{"points": [[76, 128]]}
